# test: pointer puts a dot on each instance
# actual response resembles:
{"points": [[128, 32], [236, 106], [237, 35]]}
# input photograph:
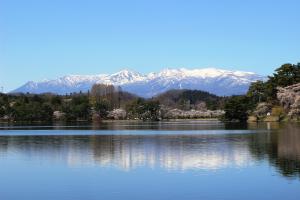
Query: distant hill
{"points": [[190, 99], [216, 81]]}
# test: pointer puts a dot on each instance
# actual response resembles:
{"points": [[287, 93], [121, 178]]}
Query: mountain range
{"points": [[216, 81]]}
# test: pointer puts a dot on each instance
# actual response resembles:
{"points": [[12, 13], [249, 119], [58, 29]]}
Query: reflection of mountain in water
{"points": [[172, 152]]}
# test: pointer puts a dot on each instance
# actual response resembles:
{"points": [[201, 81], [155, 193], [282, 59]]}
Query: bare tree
{"points": [[109, 93]]}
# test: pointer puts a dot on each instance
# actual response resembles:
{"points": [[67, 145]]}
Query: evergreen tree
{"points": [[237, 108]]}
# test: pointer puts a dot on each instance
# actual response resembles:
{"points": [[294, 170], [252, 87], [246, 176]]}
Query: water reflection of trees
{"points": [[281, 147], [119, 125], [173, 152]]}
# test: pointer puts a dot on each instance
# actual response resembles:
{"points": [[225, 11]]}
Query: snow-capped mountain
{"points": [[216, 81]]}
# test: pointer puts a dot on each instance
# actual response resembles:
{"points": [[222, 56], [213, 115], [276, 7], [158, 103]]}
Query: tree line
{"points": [[94, 104], [97, 103], [262, 94]]}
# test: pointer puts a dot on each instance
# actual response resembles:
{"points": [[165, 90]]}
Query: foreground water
{"points": [[171, 160]]}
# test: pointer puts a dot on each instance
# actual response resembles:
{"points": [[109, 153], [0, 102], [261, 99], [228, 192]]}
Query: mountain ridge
{"points": [[216, 81]]}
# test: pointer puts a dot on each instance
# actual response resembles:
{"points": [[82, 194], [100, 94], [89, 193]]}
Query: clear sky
{"points": [[50, 38]]}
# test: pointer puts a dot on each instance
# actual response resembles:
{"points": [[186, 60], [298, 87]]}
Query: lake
{"points": [[144, 161]]}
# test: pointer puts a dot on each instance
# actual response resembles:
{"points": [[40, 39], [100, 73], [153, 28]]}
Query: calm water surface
{"points": [[167, 160]]}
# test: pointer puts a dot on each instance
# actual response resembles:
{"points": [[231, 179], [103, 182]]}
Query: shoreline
{"points": [[111, 120], [138, 121]]}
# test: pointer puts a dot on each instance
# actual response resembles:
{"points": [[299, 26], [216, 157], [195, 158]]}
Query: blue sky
{"points": [[50, 38]]}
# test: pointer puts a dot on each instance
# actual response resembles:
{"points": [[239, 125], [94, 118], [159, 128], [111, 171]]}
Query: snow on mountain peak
{"points": [[200, 73], [126, 76], [213, 80], [171, 73]]}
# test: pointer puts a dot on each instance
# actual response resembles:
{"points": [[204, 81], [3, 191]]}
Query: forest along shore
{"points": [[106, 102]]}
